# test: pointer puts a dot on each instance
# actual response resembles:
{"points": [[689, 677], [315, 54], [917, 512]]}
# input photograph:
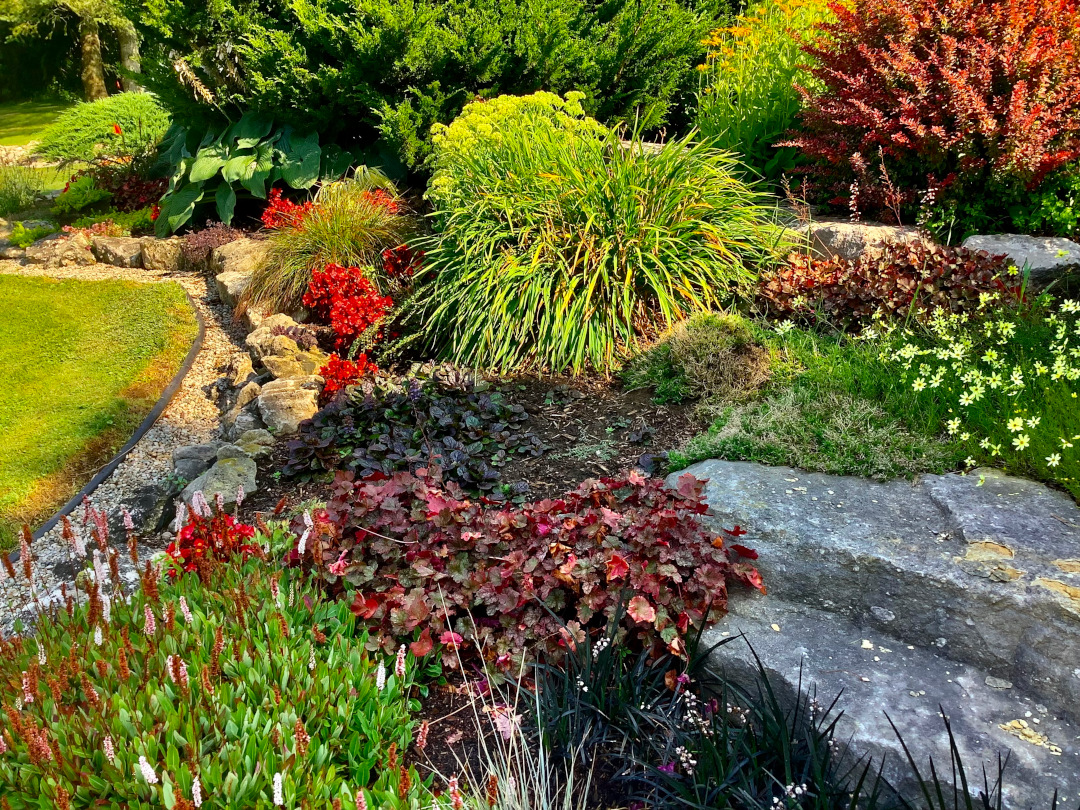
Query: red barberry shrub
{"points": [[346, 299], [898, 280], [340, 374], [209, 533], [431, 564], [951, 99], [282, 213]]}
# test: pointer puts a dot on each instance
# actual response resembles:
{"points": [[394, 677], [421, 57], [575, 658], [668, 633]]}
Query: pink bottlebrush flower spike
{"points": [[399, 665]]}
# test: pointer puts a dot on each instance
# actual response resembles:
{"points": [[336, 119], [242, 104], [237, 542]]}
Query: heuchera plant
{"points": [[430, 564], [898, 280]]}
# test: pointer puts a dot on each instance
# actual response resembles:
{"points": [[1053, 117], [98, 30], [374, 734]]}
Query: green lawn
{"points": [[23, 121], [82, 363]]}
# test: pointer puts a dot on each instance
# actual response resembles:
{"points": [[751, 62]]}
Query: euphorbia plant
{"points": [[430, 564]]}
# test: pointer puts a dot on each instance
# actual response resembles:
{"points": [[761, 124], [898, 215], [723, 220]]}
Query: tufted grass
{"points": [[82, 363]]}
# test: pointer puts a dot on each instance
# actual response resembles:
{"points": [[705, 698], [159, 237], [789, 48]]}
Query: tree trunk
{"points": [[93, 71], [129, 56]]}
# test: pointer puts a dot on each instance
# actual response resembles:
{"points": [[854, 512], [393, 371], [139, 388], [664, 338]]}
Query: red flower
{"points": [[218, 536], [347, 300], [282, 213], [117, 130], [341, 374]]}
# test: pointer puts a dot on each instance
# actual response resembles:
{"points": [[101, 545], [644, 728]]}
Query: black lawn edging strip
{"points": [[144, 426]]}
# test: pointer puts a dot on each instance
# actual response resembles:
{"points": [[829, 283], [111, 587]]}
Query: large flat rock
{"points": [[822, 656], [982, 568], [1045, 257]]}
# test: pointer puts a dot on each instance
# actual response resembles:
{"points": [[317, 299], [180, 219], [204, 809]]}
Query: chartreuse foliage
{"points": [[117, 126], [557, 245], [231, 676], [249, 155]]}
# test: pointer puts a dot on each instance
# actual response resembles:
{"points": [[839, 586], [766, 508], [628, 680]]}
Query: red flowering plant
{"points": [[208, 533], [899, 280], [340, 374], [346, 299], [429, 564], [283, 213], [402, 263], [962, 104]]}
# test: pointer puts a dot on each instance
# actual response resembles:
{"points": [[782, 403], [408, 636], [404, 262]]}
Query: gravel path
{"points": [[191, 418]]}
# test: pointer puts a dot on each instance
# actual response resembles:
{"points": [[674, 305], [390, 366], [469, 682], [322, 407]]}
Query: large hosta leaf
{"points": [[177, 208], [300, 169], [226, 202], [208, 162]]}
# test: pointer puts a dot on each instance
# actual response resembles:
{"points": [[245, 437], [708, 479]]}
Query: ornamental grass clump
{"points": [[1006, 381], [558, 246], [349, 223], [236, 685]]}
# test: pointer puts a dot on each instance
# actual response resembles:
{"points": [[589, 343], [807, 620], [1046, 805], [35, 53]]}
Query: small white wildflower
{"points": [[1022, 441], [1053, 459]]}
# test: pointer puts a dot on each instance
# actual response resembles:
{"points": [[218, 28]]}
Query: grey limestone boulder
{"points": [[61, 252], [162, 255], [193, 460], [224, 478], [1045, 257], [850, 240]]}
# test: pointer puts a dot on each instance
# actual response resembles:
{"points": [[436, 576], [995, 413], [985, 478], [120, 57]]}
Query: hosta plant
{"points": [[430, 564], [248, 155], [236, 685], [395, 425]]}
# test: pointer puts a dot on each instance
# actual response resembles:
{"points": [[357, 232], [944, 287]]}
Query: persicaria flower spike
{"points": [[196, 792], [199, 505], [399, 666], [380, 676], [185, 610], [149, 625], [107, 747], [279, 797], [129, 524], [147, 771]]}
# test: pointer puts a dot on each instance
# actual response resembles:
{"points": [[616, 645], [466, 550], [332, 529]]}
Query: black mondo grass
{"points": [[667, 732]]}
